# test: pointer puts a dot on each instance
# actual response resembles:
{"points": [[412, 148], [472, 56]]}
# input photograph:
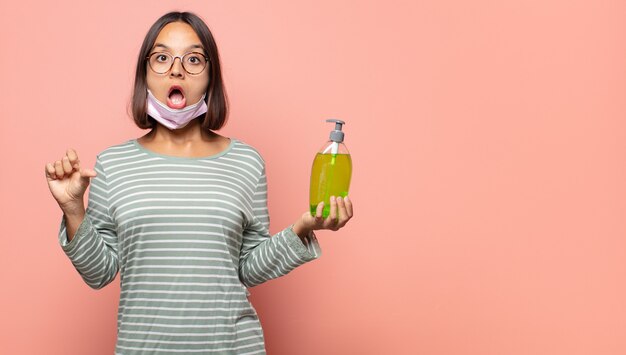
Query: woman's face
{"points": [[177, 39]]}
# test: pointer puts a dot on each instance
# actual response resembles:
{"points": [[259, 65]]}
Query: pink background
{"points": [[488, 140]]}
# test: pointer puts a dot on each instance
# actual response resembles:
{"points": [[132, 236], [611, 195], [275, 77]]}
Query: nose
{"points": [[177, 69]]}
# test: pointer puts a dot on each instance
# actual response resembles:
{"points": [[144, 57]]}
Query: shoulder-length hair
{"points": [[215, 98]]}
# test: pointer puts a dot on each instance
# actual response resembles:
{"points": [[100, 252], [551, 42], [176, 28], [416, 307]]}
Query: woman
{"points": [[180, 212]]}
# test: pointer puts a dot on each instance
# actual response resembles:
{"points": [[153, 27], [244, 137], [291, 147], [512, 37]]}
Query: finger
{"points": [[333, 209], [72, 156], [318, 212], [50, 172], [343, 214], [58, 169], [67, 167], [348, 206], [88, 173]]}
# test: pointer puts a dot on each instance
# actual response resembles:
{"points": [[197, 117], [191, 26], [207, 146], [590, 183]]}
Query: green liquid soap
{"points": [[330, 176]]}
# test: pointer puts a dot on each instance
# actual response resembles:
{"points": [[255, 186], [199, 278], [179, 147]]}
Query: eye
{"points": [[161, 58], [195, 59]]}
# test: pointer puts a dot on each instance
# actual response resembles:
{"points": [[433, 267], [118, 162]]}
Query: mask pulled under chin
{"points": [[174, 118]]}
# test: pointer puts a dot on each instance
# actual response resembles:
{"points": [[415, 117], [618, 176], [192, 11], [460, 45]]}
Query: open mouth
{"points": [[176, 97]]}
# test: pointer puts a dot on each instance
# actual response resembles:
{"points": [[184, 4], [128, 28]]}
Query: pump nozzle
{"points": [[336, 135]]}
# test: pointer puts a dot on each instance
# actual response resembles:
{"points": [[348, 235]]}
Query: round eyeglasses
{"points": [[193, 62]]}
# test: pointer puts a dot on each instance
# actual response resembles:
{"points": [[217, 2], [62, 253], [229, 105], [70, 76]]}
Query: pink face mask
{"points": [[174, 118]]}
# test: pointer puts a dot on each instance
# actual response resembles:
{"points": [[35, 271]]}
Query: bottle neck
{"points": [[332, 147]]}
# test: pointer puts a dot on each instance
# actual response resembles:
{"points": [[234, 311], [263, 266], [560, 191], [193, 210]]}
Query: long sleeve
{"points": [[93, 250], [264, 257]]}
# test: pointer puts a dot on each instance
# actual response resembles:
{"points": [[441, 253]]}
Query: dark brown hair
{"points": [[215, 98]]}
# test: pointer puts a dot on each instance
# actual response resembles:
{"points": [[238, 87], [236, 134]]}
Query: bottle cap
{"points": [[336, 135]]}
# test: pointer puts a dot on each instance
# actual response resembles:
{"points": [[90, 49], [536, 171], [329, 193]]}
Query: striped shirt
{"points": [[188, 236]]}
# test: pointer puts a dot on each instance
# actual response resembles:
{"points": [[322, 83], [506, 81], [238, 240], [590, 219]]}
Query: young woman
{"points": [[180, 212]]}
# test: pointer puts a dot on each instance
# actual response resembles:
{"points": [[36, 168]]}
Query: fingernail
{"points": [[346, 199], [339, 199]]}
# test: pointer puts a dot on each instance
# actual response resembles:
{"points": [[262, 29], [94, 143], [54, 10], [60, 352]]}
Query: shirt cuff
{"points": [[81, 232], [306, 249]]}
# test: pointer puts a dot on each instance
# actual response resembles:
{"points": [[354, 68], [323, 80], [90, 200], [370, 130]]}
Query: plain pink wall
{"points": [[488, 140]]}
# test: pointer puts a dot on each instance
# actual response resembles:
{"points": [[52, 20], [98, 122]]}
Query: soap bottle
{"points": [[331, 171]]}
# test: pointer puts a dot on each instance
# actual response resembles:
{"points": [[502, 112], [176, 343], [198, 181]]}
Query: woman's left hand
{"points": [[340, 213]]}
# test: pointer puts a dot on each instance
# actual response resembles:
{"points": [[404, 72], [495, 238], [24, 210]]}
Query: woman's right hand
{"points": [[68, 182]]}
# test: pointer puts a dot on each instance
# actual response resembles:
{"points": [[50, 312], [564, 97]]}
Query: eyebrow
{"points": [[166, 47]]}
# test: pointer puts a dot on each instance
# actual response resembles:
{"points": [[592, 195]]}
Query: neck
{"points": [[191, 133]]}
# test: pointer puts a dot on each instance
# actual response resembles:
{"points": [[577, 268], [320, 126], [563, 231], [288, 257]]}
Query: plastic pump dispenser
{"points": [[331, 171]]}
